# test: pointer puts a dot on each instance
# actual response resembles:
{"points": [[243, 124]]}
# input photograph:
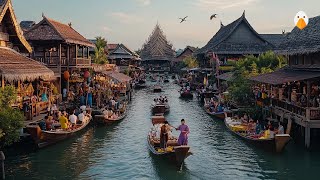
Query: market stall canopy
{"points": [[226, 76], [14, 67], [285, 75], [120, 77]]}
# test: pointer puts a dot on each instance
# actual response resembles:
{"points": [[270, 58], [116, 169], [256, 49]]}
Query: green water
{"points": [[120, 151]]}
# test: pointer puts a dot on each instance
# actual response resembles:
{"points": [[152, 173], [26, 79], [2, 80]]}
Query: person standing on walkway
{"points": [[184, 131]]}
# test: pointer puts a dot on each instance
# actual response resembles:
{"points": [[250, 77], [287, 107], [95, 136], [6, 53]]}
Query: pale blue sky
{"points": [[131, 21]]}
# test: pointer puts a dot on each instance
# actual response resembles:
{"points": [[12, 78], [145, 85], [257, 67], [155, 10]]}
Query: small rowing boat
{"points": [[45, 138], [157, 88], [186, 94], [241, 130], [173, 151]]}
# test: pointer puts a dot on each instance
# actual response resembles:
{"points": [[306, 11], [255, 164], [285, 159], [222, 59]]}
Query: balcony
{"points": [[310, 113], [74, 62]]}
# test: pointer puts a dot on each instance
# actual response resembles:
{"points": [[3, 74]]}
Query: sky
{"points": [[131, 21]]}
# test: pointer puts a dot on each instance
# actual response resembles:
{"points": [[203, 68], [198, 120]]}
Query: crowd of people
{"points": [[56, 119], [257, 129], [160, 100], [214, 106]]}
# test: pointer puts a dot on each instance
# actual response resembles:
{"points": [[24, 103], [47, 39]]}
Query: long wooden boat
{"points": [[173, 152], [186, 94], [140, 85], [277, 144], [218, 115], [103, 119], [46, 138], [160, 108], [157, 88]]}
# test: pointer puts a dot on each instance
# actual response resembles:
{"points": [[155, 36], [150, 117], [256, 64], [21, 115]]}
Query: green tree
{"points": [[249, 66], [191, 62], [100, 56], [11, 119]]}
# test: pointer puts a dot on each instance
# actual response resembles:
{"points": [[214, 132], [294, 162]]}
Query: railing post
{"points": [[307, 114], [2, 158]]}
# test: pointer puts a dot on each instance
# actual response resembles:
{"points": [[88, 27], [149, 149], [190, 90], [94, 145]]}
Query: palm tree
{"points": [[100, 56]]}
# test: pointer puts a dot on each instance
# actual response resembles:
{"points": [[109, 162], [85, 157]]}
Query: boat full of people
{"points": [[160, 105], [112, 114], [267, 137], [58, 126], [185, 92], [215, 108]]}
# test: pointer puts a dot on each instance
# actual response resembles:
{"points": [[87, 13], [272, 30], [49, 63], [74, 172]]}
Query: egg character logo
{"points": [[301, 20]]}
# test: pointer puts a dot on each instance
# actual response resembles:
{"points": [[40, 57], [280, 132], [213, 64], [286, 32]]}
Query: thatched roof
{"points": [[9, 20], [285, 75], [302, 41], [51, 30], [238, 37], [119, 77], [14, 67]]}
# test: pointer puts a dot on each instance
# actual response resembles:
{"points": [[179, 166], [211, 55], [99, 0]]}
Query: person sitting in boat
{"points": [[219, 108], [49, 123], [258, 128], [64, 121], [271, 133], [42, 123], [184, 131], [83, 108], [114, 116], [164, 130], [80, 118], [188, 88], [73, 119], [280, 129]]}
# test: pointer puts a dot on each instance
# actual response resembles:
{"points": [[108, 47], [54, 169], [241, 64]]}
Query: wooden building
{"points": [[121, 55], [235, 40], [59, 46], [188, 51], [16, 68], [157, 52], [14, 65], [293, 90]]}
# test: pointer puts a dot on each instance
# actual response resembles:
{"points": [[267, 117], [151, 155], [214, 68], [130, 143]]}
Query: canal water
{"points": [[120, 151]]}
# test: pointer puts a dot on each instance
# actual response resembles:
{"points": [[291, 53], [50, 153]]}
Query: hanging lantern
{"points": [[86, 74], [66, 75]]}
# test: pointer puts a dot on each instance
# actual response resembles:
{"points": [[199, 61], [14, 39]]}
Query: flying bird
{"points": [[213, 16], [183, 19]]}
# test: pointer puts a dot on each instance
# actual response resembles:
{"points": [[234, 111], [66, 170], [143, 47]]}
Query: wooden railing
{"points": [[314, 113], [54, 61], [289, 107]]}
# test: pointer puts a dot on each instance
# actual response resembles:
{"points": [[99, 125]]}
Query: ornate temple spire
{"points": [[157, 46]]}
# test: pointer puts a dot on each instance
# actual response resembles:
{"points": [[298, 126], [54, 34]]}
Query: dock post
{"points": [[307, 136], [2, 158]]}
